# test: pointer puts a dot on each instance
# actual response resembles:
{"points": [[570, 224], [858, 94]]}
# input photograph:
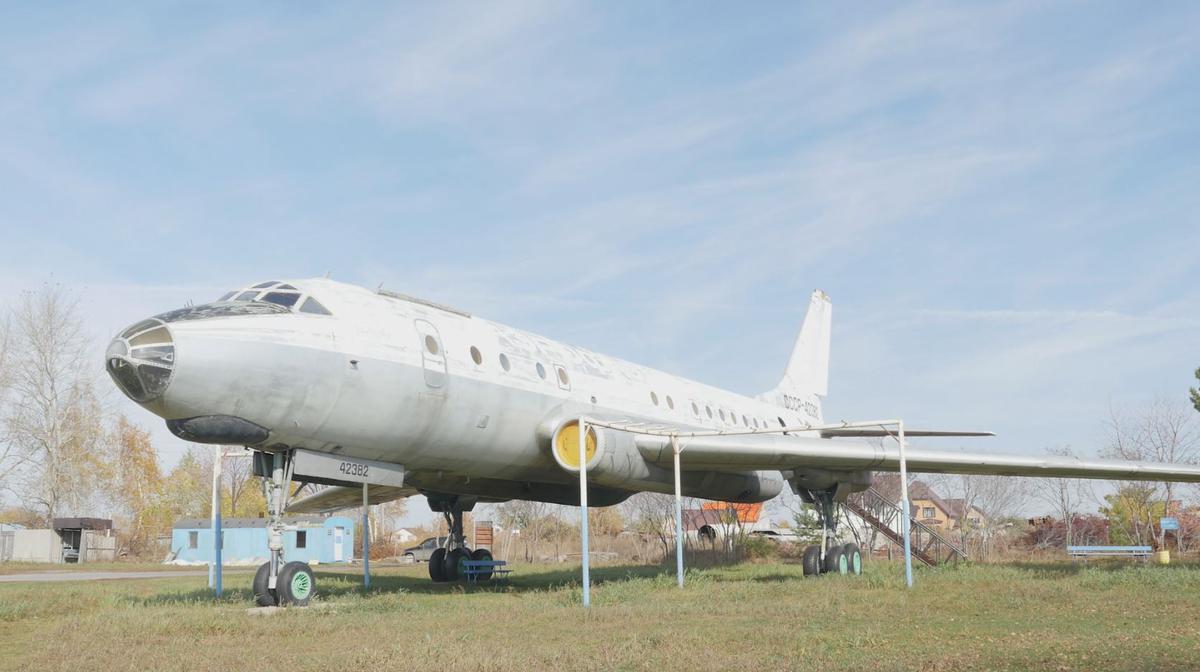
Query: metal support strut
{"points": [[829, 519], [275, 506]]}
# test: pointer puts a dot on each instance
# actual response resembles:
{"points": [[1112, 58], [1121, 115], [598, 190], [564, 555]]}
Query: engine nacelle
{"points": [[613, 460]]}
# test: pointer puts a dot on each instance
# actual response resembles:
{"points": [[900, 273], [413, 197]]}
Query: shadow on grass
{"points": [[1104, 565], [334, 585]]}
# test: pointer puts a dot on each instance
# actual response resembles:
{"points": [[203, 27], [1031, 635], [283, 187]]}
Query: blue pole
{"points": [[217, 551], [908, 577], [366, 534]]}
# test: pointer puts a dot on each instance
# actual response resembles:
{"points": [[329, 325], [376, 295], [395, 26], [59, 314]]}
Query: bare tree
{"points": [[653, 514], [54, 420], [1163, 432], [11, 458], [1064, 496]]}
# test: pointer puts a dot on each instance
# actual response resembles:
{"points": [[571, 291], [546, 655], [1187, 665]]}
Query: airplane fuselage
{"points": [[456, 399]]}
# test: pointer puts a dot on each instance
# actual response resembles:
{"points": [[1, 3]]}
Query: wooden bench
{"points": [[1086, 552], [490, 569]]}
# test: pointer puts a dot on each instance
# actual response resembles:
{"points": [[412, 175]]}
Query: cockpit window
{"points": [[313, 306], [288, 299], [222, 309], [276, 293]]}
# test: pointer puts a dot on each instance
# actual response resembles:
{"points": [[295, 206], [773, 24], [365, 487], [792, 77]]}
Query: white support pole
{"points": [[214, 567], [366, 536], [905, 504], [583, 512], [678, 514]]}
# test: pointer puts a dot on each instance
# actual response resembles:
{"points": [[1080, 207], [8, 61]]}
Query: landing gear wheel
{"points": [[295, 584], [836, 561], [486, 555], [264, 596], [853, 558], [812, 561], [453, 568], [437, 565]]}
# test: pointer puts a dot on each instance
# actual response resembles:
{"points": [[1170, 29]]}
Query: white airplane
{"points": [[385, 396]]}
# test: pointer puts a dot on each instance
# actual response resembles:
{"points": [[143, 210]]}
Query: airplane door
{"points": [[433, 354], [338, 536]]}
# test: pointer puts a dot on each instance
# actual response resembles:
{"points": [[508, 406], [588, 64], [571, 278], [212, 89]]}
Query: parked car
{"points": [[422, 551], [777, 536]]}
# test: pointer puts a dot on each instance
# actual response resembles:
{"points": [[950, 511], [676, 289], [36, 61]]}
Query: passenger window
{"points": [[695, 409], [654, 397], [708, 409], [670, 403], [563, 381], [476, 356], [504, 363], [721, 412], [541, 371], [431, 344]]}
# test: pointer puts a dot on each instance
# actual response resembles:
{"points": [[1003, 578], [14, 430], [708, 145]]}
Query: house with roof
{"points": [[940, 512]]}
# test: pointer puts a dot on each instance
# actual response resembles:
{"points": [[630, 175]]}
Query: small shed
{"points": [[67, 540], [311, 539]]}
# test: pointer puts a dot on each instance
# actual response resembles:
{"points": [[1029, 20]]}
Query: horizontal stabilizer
{"points": [[338, 497], [856, 432]]}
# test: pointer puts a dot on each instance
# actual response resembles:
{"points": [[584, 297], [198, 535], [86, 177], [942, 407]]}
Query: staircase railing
{"points": [[886, 516]]}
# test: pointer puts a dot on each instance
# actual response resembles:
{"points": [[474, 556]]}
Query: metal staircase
{"points": [[886, 516]]}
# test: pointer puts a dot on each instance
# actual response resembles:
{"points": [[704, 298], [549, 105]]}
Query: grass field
{"points": [[749, 617]]}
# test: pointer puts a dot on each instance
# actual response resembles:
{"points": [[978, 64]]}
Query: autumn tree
{"points": [[137, 488], [53, 422], [188, 486], [1162, 432]]}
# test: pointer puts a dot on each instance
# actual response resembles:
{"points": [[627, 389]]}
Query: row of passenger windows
{"points": [[432, 346]]}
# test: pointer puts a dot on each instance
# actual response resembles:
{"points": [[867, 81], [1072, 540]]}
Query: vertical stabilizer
{"points": [[807, 373]]}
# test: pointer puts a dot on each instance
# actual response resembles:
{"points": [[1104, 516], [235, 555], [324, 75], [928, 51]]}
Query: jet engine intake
{"points": [[613, 460]]}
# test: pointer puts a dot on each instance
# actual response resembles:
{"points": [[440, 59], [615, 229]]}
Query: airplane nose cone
{"points": [[141, 360]]}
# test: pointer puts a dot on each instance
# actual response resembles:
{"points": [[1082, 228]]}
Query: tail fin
{"points": [[807, 372]]}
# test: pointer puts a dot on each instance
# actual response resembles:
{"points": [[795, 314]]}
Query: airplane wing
{"points": [[773, 451], [338, 497]]}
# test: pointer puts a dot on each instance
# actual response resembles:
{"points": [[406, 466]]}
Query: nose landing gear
{"points": [[277, 583]]}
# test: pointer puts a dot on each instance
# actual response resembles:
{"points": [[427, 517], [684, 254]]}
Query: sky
{"points": [[1000, 198]]}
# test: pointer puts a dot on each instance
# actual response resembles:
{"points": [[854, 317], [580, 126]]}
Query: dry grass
{"points": [[751, 617]]}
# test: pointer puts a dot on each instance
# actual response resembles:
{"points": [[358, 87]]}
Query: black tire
{"points": [[295, 585], [264, 596], [853, 558], [437, 565], [812, 561], [482, 554], [451, 564], [836, 561]]}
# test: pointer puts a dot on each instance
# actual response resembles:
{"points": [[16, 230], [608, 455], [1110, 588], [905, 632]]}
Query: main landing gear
{"points": [[829, 557], [446, 563], [277, 583]]}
